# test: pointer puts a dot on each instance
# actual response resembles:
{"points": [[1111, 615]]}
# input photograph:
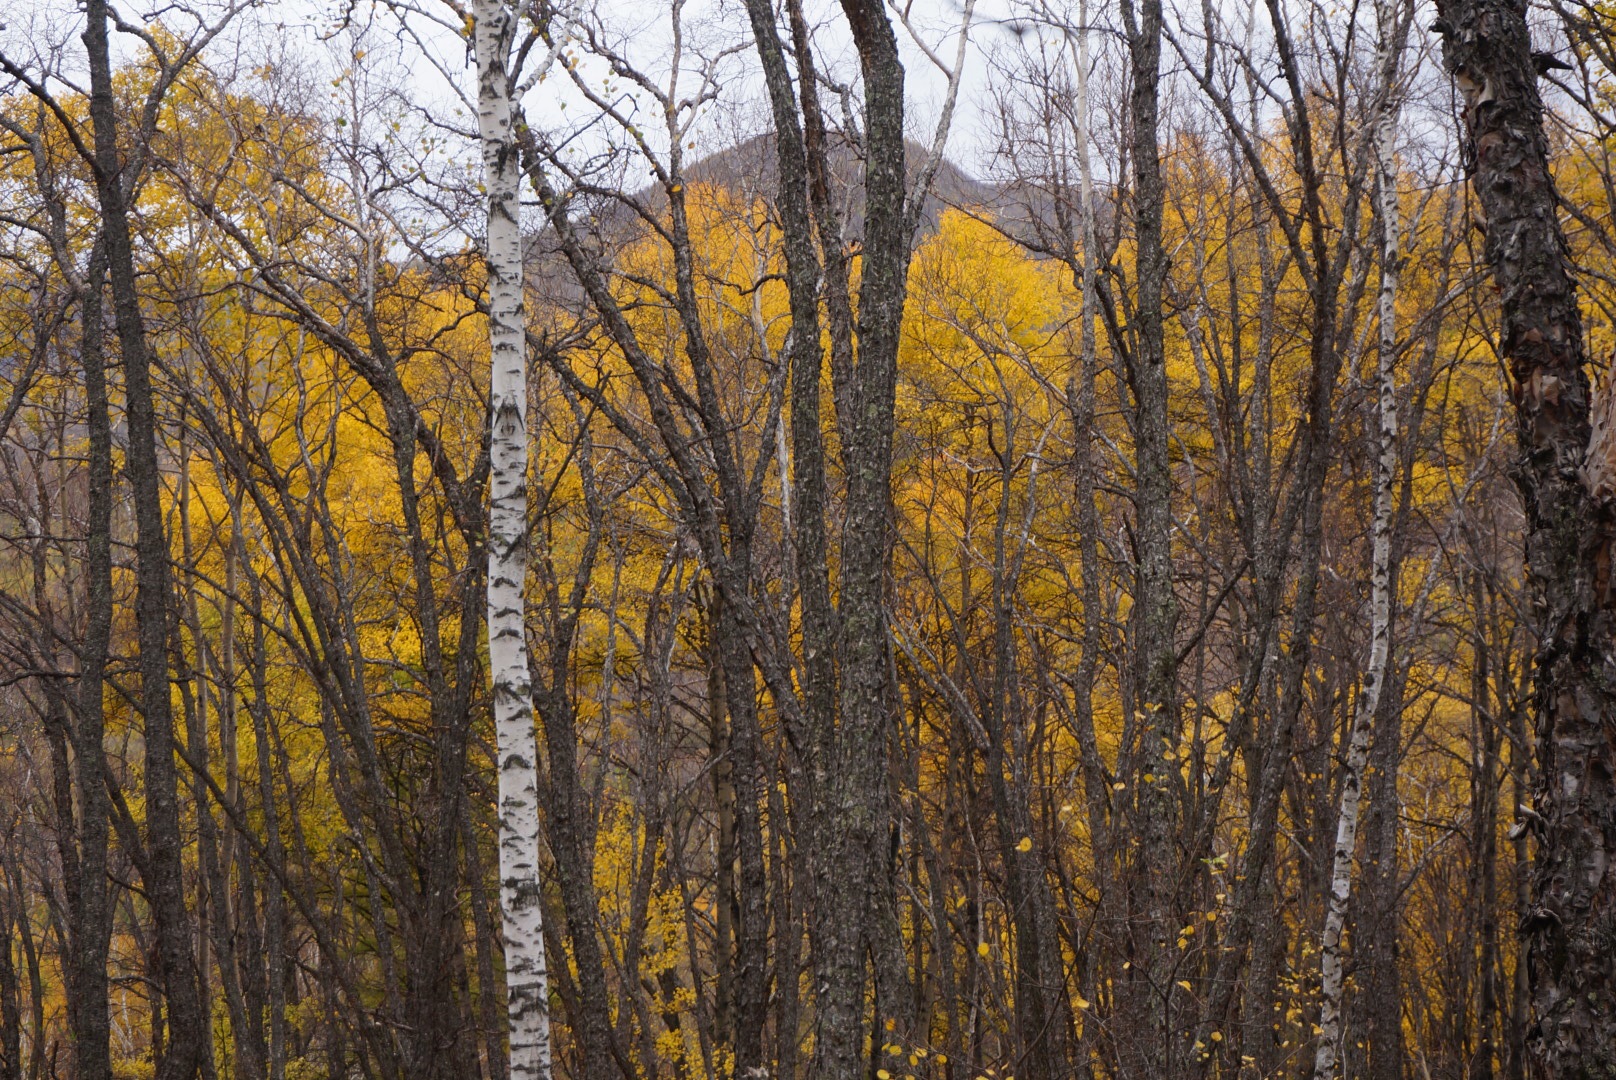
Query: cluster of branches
{"points": [[599, 611]]}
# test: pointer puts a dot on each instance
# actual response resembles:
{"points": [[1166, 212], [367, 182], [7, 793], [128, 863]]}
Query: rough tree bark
{"points": [[10, 1011], [1155, 614], [1570, 930], [526, 977], [91, 915], [846, 760], [166, 884], [854, 829]]}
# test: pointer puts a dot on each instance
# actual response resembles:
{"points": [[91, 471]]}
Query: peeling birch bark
{"points": [[1569, 932]]}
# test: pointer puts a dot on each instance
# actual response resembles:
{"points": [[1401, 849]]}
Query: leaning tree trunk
{"points": [[1332, 970], [1570, 930], [526, 978]]}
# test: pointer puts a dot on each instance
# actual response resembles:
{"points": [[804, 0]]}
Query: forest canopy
{"points": [[736, 540]]}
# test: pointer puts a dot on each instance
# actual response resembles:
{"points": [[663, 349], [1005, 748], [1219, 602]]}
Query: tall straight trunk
{"points": [[246, 932], [572, 839], [725, 904], [165, 888], [495, 1061], [526, 978], [1155, 613], [1082, 404], [744, 739], [10, 1009], [1261, 1004], [1520, 991], [274, 958], [1484, 846], [1378, 921], [1042, 1016], [845, 647], [92, 915], [213, 899], [1568, 936], [14, 915], [1331, 967], [853, 807], [798, 139]]}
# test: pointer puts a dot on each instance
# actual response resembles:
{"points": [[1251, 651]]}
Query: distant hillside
{"points": [[749, 167], [749, 170]]}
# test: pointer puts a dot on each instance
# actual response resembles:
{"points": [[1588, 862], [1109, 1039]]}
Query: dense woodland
{"points": [[824, 541]]}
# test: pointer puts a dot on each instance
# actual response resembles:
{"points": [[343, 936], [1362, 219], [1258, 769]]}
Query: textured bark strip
{"points": [[165, 884], [855, 828], [91, 914], [846, 771], [1332, 972], [526, 977], [1570, 929], [1155, 617]]}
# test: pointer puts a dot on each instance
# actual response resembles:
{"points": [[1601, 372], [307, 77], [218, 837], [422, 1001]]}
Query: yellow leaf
{"points": [[1025, 845], [982, 949], [1184, 984]]}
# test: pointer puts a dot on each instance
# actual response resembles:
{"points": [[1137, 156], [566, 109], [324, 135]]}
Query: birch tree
{"points": [[526, 978], [1393, 27]]}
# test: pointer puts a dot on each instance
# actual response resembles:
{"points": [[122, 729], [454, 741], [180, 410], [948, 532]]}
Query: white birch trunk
{"points": [[526, 977], [1380, 603]]}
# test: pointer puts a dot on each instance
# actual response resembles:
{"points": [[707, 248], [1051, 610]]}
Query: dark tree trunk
{"points": [[165, 885], [91, 915], [10, 1012], [846, 760], [571, 835], [1378, 923], [1570, 931], [1484, 842], [273, 959], [1155, 614], [752, 915]]}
